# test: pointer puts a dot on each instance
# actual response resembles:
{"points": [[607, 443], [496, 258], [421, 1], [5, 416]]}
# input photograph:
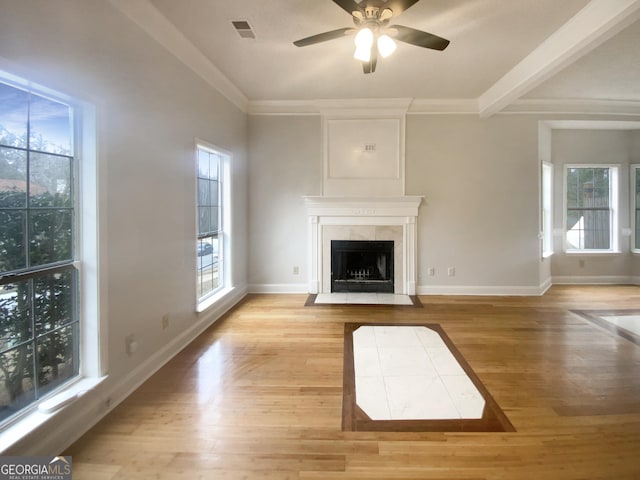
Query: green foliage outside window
{"points": [[38, 282]]}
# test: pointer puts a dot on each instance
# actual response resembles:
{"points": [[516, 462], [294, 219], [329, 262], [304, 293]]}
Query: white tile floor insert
{"points": [[409, 373], [628, 322]]}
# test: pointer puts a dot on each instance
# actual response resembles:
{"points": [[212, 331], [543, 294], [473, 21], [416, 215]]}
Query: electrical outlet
{"points": [[296, 270], [131, 344], [451, 271], [165, 321], [431, 272]]}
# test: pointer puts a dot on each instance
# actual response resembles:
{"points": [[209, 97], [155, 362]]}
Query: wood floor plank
{"points": [[259, 396]]}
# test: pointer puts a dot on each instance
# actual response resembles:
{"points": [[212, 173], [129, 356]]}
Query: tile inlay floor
{"points": [[408, 373], [411, 377], [624, 323]]}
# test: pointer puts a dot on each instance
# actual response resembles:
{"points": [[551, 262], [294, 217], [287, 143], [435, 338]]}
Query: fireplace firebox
{"points": [[362, 266]]}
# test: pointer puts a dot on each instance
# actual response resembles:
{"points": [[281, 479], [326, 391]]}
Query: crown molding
{"points": [[591, 125], [156, 25], [574, 106], [445, 106], [330, 107], [437, 106], [282, 107], [364, 106]]}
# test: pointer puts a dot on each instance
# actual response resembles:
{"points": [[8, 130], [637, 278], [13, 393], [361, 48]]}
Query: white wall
{"points": [[592, 147], [150, 109]]}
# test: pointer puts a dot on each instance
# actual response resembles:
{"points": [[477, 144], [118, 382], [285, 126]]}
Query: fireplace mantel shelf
{"points": [[406, 205]]}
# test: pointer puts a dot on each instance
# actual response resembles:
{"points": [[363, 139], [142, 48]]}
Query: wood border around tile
{"points": [[354, 419]]}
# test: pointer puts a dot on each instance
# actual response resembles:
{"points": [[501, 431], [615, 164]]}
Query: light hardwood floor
{"points": [[259, 396]]}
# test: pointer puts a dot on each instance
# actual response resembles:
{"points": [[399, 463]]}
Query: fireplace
{"points": [[374, 219], [362, 266]]}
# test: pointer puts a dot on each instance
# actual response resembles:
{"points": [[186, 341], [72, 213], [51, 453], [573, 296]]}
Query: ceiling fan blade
{"points": [[418, 37], [348, 5], [323, 37], [399, 6]]}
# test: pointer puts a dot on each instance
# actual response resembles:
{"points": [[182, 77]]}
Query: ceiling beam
{"points": [[593, 25]]}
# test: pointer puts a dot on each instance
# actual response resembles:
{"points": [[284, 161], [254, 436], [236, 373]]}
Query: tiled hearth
{"points": [[357, 298]]}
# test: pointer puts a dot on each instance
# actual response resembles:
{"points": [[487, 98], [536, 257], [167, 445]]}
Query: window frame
{"points": [[614, 194], [92, 341], [224, 247], [634, 207], [546, 208]]}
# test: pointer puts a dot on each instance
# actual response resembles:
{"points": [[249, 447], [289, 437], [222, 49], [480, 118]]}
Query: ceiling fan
{"points": [[374, 35]]}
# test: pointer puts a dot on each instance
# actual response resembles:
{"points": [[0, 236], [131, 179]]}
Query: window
{"points": [[39, 327], [212, 226], [547, 207], [591, 208], [635, 191]]}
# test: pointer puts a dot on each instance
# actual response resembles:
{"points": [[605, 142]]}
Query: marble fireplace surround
{"points": [[363, 218]]}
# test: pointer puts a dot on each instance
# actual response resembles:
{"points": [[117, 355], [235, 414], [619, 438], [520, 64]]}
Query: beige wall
{"points": [[480, 179], [286, 164]]}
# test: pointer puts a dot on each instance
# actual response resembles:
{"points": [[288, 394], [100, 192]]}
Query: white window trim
{"points": [[634, 170], [546, 228], [206, 302], [93, 342], [614, 195]]}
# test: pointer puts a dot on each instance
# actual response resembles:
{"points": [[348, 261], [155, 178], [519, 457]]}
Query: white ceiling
{"points": [[500, 51]]}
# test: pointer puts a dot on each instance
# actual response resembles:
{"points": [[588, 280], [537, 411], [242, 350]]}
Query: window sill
{"points": [[594, 253], [46, 410], [213, 299], [547, 254]]}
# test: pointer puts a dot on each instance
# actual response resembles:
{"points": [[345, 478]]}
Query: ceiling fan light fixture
{"points": [[363, 54], [364, 38], [386, 45]]}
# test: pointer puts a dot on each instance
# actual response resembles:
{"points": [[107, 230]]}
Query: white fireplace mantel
{"points": [[399, 213]]}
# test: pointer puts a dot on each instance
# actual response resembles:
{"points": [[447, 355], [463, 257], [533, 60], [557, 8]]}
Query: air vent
{"points": [[243, 28]]}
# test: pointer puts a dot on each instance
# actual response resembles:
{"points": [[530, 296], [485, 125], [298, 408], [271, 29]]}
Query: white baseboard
{"points": [[279, 288], [482, 290], [546, 285], [80, 416], [595, 280]]}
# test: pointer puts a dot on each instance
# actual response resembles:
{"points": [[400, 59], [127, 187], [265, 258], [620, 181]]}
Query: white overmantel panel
{"points": [[398, 212], [364, 149]]}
